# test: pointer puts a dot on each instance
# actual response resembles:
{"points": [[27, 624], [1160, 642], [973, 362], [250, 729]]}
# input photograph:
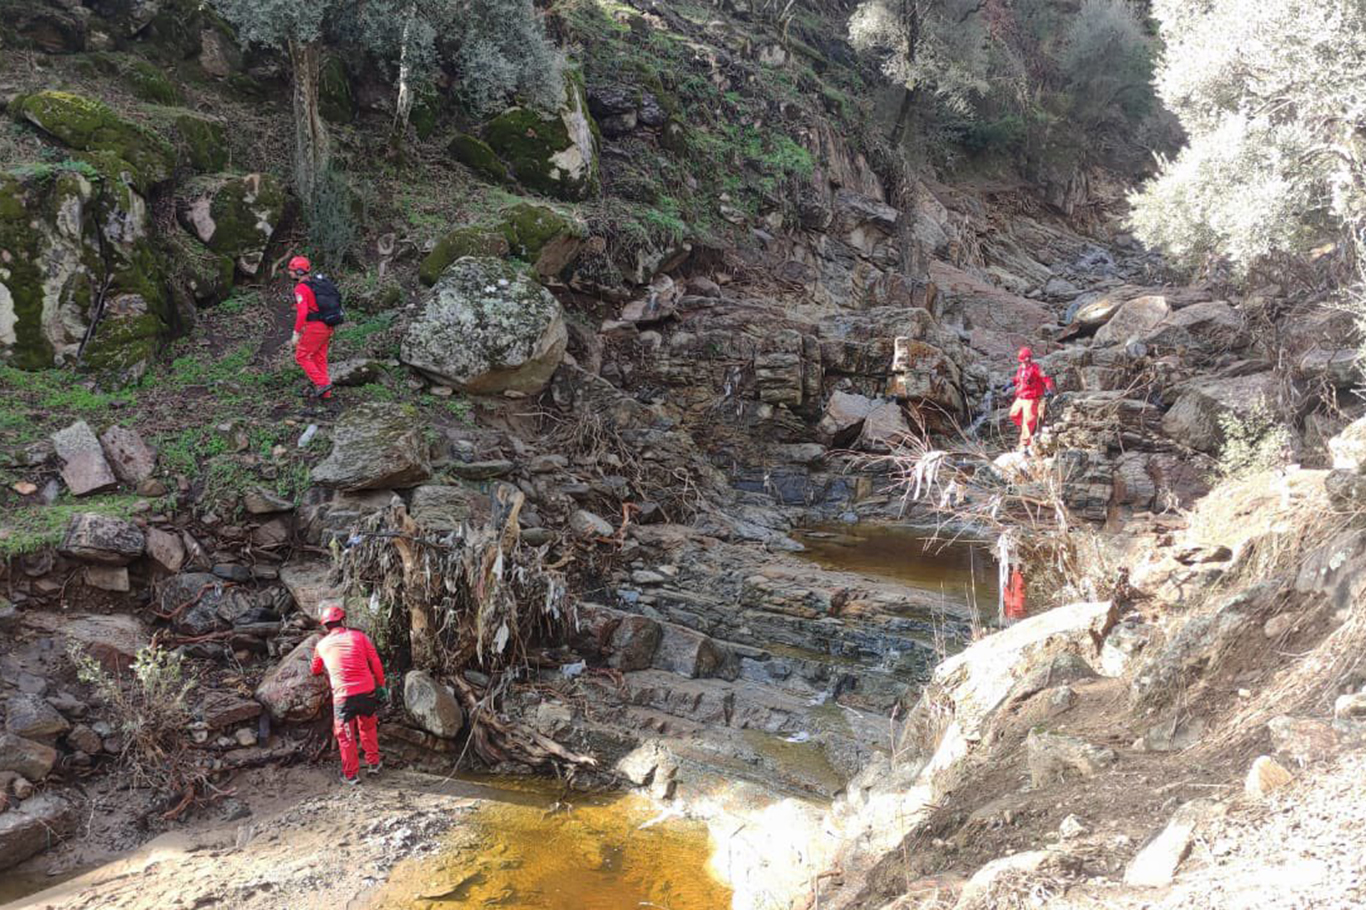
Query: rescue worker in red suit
{"points": [[1031, 386], [1015, 595], [353, 669], [311, 336]]}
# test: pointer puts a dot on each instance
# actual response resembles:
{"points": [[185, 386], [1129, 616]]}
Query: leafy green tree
{"points": [[1270, 94]]}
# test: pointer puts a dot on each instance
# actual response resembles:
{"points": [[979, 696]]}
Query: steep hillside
{"points": [[669, 452]]}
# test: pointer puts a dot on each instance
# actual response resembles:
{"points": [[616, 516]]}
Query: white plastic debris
{"points": [[307, 435]]}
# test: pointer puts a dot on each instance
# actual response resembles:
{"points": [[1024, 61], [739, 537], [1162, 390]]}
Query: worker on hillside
{"points": [[353, 669], [317, 311], [1031, 387], [1015, 598]]}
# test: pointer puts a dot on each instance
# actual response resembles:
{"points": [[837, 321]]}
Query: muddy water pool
{"points": [[537, 851], [962, 569]]}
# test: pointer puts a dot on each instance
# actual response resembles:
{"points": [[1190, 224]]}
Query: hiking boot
{"points": [[373, 770], [350, 781], [324, 392]]}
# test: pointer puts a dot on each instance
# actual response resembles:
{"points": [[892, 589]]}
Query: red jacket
{"points": [[351, 661], [1030, 381], [304, 303]]}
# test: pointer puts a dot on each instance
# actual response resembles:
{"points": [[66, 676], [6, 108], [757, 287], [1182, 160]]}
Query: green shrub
{"points": [[331, 219]]}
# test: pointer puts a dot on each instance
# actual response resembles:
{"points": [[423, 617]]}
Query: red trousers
{"points": [[311, 353], [346, 733]]}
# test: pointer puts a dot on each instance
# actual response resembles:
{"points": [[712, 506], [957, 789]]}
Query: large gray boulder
{"points": [[103, 539], [1134, 319], [1195, 418], [35, 826], [487, 327], [432, 705], [376, 447], [290, 692]]}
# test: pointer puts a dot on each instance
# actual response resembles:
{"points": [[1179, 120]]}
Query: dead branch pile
{"points": [[473, 598], [1018, 501]]}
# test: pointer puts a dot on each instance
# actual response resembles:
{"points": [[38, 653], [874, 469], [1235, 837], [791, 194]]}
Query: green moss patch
{"points": [[91, 126], [476, 155], [465, 241], [203, 142]]}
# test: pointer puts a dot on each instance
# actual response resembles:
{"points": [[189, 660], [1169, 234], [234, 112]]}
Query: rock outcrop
{"points": [[290, 692], [233, 216], [375, 447], [486, 327], [552, 154]]}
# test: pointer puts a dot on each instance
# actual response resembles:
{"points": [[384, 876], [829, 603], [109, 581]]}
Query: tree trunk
{"points": [[404, 105], [311, 151]]}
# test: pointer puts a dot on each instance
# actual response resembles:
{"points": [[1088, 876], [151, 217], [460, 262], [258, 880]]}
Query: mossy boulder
{"points": [[203, 142], [543, 237], [552, 154], [88, 125], [44, 27], [335, 100], [476, 155], [73, 236], [487, 327], [233, 215], [536, 234], [459, 243], [202, 276]]}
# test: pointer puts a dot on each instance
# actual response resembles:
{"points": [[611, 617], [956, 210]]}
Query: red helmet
{"points": [[300, 264], [332, 612], [1025, 354]]}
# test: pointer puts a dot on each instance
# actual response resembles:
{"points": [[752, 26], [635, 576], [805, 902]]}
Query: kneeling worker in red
{"points": [[353, 669]]}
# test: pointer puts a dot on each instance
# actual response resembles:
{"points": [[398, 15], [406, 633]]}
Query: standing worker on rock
{"points": [[1031, 386], [317, 311], [353, 669]]}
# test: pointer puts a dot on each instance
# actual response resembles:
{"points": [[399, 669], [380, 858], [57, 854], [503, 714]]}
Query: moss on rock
{"points": [[476, 155], [204, 142], [461, 242], [556, 154], [88, 125], [543, 237], [146, 81], [233, 215]]}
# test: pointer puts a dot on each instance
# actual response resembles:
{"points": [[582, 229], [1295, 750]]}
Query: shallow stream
{"points": [[962, 569], [540, 852]]}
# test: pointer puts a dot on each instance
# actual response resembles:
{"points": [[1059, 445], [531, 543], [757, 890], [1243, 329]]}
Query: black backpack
{"points": [[329, 301]]}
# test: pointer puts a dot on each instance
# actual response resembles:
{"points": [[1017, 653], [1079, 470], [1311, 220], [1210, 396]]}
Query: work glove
{"points": [[294, 340], [382, 694]]}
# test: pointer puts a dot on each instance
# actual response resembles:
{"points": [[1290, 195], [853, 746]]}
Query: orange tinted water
{"points": [[593, 856], [958, 568]]}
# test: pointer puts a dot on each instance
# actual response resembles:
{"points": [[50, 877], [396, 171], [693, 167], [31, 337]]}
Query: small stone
{"points": [[30, 717], [166, 549], [152, 487], [537, 537], [33, 760], [1350, 707], [84, 467], [85, 739], [233, 572], [1155, 864], [432, 705], [21, 787], [30, 684], [1265, 776], [127, 454], [108, 578], [585, 525], [1061, 698], [646, 577], [1071, 827], [546, 464], [24, 488], [481, 470], [102, 539], [442, 391], [263, 502], [246, 737]]}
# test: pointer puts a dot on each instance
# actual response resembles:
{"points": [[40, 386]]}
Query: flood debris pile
{"points": [[472, 606]]}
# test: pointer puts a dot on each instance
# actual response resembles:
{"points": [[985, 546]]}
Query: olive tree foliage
{"points": [[1106, 63], [935, 47], [505, 53], [1272, 95]]}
